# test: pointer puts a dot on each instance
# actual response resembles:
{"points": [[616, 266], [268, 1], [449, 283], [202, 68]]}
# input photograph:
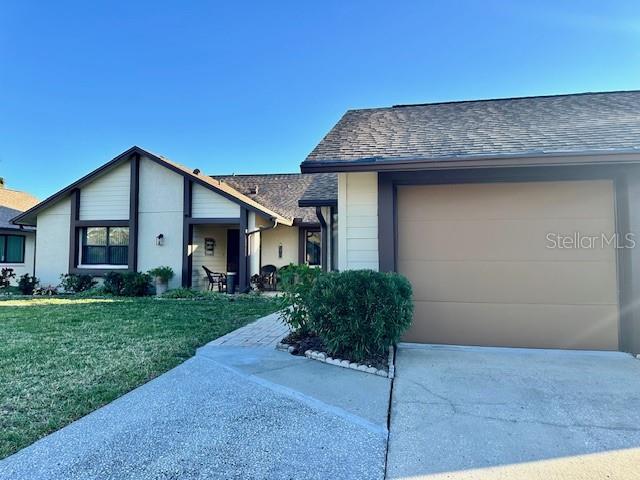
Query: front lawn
{"points": [[61, 358]]}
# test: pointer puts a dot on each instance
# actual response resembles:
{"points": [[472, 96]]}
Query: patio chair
{"points": [[269, 273], [216, 279]]}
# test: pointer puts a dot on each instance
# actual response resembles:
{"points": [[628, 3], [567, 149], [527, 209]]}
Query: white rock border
{"points": [[338, 362]]}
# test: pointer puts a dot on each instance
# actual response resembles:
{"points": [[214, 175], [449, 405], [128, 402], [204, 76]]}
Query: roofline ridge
{"points": [[498, 99]]}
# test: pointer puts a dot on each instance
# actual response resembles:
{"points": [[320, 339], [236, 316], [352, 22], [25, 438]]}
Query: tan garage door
{"points": [[482, 273]]}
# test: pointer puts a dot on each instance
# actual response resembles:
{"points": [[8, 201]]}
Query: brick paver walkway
{"points": [[264, 332]]}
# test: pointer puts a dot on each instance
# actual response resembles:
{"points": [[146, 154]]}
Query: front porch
{"points": [[216, 247]]}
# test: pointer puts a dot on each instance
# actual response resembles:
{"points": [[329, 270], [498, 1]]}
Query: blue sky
{"points": [[251, 87]]}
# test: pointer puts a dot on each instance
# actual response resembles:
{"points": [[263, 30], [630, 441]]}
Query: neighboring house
{"points": [[468, 200], [141, 210], [17, 243]]}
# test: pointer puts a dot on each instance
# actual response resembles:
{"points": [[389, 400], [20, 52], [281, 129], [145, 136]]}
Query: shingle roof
{"points": [[576, 123], [13, 203], [281, 192], [323, 190], [17, 200], [6, 214]]}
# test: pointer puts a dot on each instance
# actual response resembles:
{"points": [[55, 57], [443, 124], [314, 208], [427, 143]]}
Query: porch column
{"points": [[243, 283]]}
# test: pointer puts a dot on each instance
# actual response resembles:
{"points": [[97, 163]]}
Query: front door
{"points": [[233, 251]]}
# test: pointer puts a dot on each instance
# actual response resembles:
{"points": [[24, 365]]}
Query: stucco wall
{"points": [[208, 204], [358, 220], [271, 239], [160, 211], [52, 242], [216, 262], [107, 197], [27, 266]]}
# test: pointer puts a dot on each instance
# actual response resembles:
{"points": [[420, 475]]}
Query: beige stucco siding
{"points": [[216, 262], [208, 204], [272, 239], [107, 197], [52, 242], [160, 211], [358, 220], [478, 259]]}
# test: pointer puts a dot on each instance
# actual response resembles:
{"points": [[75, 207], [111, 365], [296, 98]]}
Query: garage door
{"points": [[483, 273]]}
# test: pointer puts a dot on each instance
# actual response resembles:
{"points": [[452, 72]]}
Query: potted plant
{"points": [[162, 275]]}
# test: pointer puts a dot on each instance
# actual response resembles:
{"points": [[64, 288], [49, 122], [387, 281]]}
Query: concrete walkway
{"points": [[230, 412], [499, 413]]}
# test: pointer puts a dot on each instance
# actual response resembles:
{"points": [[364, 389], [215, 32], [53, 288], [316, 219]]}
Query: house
{"points": [[514, 219], [141, 210], [16, 243]]}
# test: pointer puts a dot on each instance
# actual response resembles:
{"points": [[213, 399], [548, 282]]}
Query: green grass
{"points": [[61, 358]]}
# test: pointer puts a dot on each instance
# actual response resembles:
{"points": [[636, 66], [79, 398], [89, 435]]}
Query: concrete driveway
{"points": [[228, 413], [485, 413]]}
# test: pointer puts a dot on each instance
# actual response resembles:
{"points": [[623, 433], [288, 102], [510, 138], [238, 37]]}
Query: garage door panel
{"points": [[573, 283], [477, 257], [516, 325], [500, 239], [507, 200]]}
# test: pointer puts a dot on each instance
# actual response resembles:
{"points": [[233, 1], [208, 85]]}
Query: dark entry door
{"points": [[233, 251]]}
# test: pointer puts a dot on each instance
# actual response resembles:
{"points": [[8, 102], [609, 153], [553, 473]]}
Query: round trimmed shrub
{"points": [[358, 314]]}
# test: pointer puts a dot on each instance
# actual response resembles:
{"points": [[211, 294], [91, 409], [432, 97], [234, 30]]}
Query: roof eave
{"points": [[534, 158]]}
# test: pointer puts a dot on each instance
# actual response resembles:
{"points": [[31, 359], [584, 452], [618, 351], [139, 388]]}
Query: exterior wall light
{"points": [[280, 251], [160, 240]]}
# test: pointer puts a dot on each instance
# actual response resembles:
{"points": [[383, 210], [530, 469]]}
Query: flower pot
{"points": [[161, 286]]}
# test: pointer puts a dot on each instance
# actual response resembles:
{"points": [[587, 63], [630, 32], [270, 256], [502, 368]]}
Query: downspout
{"points": [[323, 239]]}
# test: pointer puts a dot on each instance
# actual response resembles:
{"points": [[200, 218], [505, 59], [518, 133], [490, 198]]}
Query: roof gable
{"points": [[28, 217]]}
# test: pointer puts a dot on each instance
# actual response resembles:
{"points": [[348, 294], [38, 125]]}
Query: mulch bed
{"points": [[301, 343]]}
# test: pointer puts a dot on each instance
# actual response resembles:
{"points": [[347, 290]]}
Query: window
{"points": [[105, 246], [11, 249], [312, 247]]}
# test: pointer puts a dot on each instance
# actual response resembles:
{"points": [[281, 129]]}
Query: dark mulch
{"points": [[303, 342]]}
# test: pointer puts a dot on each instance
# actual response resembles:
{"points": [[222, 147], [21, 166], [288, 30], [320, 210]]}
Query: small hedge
{"points": [[358, 314], [72, 283], [129, 284]]}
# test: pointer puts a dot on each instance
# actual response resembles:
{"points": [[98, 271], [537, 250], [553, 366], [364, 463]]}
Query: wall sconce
{"points": [[280, 251], [160, 240], [209, 246]]}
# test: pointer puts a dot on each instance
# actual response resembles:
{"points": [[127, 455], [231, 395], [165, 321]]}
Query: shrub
{"points": [[73, 283], [296, 282], [181, 293], [27, 284], [358, 314], [163, 273], [135, 284], [113, 283], [6, 274], [46, 290], [129, 284]]}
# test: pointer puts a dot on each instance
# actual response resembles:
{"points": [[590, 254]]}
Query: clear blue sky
{"points": [[252, 86]]}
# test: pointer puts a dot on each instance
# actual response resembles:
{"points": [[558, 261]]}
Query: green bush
{"points": [[296, 282], [6, 274], [72, 283], [129, 284], [113, 282], [27, 284], [181, 293], [358, 314], [163, 273]]}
